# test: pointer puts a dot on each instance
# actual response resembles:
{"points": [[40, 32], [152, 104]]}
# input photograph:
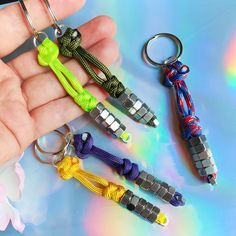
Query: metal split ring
{"points": [[168, 61], [50, 157]]}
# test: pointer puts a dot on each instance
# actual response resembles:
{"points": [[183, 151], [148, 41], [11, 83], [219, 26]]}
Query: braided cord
{"points": [[69, 167], [48, 56], [69, 44], [83, 144], [94, 61], [174, 76]]}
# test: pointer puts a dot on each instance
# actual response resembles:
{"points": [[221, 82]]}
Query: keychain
{"points": [[81, 145], [175, 73], [68, 166], [48, 53], [70, 46]]}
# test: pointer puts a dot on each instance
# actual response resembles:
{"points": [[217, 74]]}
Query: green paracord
{"points": [[70, 47], [48, 56]]}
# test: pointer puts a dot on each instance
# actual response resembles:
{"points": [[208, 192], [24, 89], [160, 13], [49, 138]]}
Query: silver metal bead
{"points": [[126, 198], [133, 203], [202, 155], [198, 164], [97, 110], [155, 187], [141, 112], [114, 126], [137, 105], [146, 185], [208, 162], [137, 108], [161, 192], [147, 117], [124, 96], [167, 197], [199, 148], [194, 141], [210, 170], [140, 206], [165, 185], [147, 210], [119, 131], [153, 215], [106, 119], [141, 177], [171, 190], [130, 101], [102, 116]]}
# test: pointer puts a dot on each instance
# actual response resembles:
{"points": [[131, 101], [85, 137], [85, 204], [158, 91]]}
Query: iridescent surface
{"points": [[207, 29]]}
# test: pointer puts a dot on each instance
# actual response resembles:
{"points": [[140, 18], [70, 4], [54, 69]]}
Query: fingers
{"points": [[7, 141], [92, 32], [15, 29], [56, 113], [14, 115], [41, 89]]}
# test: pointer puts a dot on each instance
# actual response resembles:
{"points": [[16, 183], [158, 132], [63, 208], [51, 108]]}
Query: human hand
{"points": [[32, 101]]}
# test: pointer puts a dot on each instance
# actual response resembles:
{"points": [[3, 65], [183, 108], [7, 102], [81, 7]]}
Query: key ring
{"points": [[59, 29], [55, 24], [30, 21], [53, 157], [170, 60]]}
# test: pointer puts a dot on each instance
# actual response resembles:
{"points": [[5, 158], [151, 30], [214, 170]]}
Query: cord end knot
{"points": [[177, 200], [191, 126], [67, 167], [129, 170], [83, 144], [48, 52], [85, 100], [113, 86], [113, 192], [174, 73], [69, 42]]}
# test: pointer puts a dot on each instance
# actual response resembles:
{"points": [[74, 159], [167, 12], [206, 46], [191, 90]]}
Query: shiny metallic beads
{"points": [[105, 118], [161, 189], [140, 206], [202, 157], [137, 108]]}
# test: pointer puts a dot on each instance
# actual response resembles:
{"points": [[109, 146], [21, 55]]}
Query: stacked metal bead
{"points": [[105, 118], [161, 189], [140, 206], [202, 157], [137, 108]]}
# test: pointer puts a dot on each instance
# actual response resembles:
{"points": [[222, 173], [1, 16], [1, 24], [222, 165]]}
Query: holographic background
{"points": [[208, 32]]}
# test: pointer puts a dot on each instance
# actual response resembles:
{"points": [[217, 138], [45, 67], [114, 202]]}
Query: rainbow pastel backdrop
{"points": [[208, 32]]}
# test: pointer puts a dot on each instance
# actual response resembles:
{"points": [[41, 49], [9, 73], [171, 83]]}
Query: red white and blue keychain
{"points": [[175, 73]]}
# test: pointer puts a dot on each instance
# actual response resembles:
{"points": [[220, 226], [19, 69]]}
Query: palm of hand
{"points": [[32, 100]]}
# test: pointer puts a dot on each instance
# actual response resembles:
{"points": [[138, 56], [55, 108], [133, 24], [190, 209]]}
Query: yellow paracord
{"points": [[69, 167]]}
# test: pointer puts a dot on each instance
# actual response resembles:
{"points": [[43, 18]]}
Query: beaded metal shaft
{"points": [[201, 155], [70, 46], [143, 208], [84, 147], [108, 121]]}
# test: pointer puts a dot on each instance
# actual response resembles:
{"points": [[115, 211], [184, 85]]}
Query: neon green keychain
{"points": [[69, 41], [48, 53]]}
